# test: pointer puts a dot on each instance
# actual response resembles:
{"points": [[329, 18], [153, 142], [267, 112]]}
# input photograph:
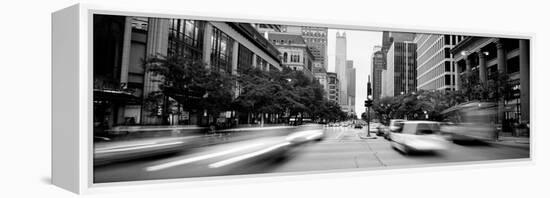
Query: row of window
{"points": [[261, 63], [315, 40], [443, 67], [439, 82], [427, 54], [185, 38], [435, 60], [315, 34], [222, 50]]}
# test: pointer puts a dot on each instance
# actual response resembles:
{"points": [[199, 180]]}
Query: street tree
{"points": [[190, 85]]}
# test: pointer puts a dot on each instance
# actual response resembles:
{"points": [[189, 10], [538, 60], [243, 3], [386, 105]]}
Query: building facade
{"points": [[265, 29], [400, 74], [122, 84], [435, 62], [316, 40], [350, 72], [340, 67], [294, 52], [387, 81], [321, 76], [333, 87], [485, 61], [389, 37], [377, 66]]}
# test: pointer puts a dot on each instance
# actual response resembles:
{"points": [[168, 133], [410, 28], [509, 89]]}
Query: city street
{"points": [[342, 148]]}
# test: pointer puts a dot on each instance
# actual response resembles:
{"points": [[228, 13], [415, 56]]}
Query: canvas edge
{"points": [[65, 163]]}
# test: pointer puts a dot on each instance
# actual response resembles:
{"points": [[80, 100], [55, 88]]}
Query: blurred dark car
{"points": [[358, 126]]}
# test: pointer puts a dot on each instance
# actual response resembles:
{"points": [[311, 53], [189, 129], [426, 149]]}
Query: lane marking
{"points": [[341, 133], [199, 158], [151, 145], [246, 156]]}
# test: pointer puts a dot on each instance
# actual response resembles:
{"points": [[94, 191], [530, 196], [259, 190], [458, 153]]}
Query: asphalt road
{"points": [[341, 149]]}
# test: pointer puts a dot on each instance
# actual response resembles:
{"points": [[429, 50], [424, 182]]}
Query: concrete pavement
{"points": [[342, 148]]}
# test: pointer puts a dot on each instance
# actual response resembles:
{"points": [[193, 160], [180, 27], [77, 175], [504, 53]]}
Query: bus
{"points": [[471, 121]]}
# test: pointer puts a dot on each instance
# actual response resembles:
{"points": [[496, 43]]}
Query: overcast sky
{"points": [[360, 46]]}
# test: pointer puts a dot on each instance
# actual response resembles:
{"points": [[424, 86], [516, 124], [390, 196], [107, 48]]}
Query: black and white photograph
{"points": [[184, 98], [275, 99]]}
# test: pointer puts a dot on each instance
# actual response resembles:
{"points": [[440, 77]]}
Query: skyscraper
{"points": [[435, 63], [392, 81], [400, 75], [378, 65], [333, 87], [341, 67], [350, 72]]}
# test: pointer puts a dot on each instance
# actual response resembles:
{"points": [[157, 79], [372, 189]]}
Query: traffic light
{"points": [[368, 103], [369, 89]]}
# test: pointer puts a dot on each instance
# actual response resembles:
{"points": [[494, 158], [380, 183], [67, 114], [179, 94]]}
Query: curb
{"points": [[366, 137], [521, 145]]}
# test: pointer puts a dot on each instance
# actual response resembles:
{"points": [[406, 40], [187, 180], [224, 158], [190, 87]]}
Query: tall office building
{"points": [[340, 67], [389, 37], [377, 65], [396, 59], [400, 75], [350, 72], [435, 63]]}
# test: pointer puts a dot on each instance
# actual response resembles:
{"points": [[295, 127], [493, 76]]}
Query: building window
{"points": [[447, 53], [185, 38], [512, 65], [285, 57], [447, 66], [261, 63], [245, 57], [295, 58], [447, 79], [222, 50]]}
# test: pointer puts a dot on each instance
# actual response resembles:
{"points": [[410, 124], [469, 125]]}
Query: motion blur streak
{"points": [[199, 158], [308, 134], [134, 147], [246, 156]]}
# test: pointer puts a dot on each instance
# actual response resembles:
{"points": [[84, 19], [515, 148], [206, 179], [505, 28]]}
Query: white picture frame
{"points": [[72, 137]]}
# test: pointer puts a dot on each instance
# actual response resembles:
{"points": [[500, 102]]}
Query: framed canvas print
{"points": [[177, 97]]}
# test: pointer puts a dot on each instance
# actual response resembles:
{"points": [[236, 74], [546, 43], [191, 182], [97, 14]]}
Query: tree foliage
{"points": [[194, 86]]}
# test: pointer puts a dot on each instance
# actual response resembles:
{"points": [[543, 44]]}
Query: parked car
{"points": [[418, 136], [358, 126], [380, 129]]}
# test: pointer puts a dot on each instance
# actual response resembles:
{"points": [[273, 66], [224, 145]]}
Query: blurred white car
{"points": [[395, 125], [306, 133], [418, 136]]}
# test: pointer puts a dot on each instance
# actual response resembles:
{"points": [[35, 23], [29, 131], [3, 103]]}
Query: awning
{"points": [[116, 96]]}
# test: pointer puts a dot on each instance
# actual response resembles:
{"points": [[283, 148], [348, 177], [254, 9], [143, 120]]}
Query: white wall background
{"points": [[25, 98]]}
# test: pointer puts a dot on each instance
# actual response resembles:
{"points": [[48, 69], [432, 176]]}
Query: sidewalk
{"points": [[520, 142], [363, 135]]}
